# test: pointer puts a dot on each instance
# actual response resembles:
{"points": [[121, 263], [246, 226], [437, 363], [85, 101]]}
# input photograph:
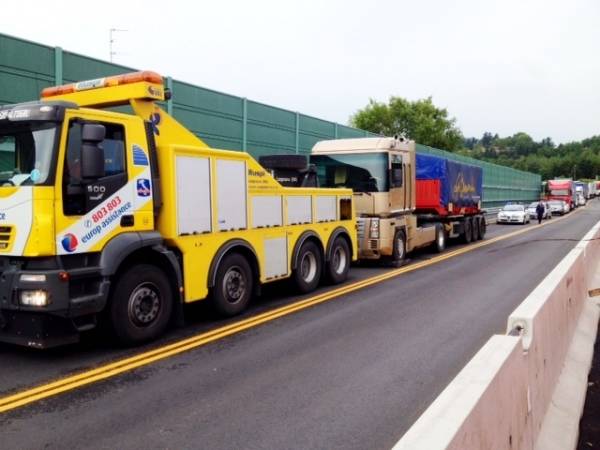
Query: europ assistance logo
{"points": [[69, 242]]}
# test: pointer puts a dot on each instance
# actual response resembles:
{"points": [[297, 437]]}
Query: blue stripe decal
{"points": [[139, 156]]}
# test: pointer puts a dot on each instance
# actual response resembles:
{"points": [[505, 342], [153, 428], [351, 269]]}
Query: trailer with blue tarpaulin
{"points": [[447, 188]]}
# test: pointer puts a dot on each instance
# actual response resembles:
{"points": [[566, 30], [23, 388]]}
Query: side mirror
{"points": [[92, 153], [396, 175]]}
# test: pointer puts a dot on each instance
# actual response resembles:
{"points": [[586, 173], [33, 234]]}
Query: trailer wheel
{"points": [[399, 252], [233, 285], [482, 227], [308, 267], [476, 229], [141, 304], [339, 261], [440, 238], [468, 231]]}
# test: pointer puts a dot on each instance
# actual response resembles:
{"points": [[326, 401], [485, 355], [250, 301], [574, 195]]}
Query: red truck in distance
{"points": [[562, 190]]}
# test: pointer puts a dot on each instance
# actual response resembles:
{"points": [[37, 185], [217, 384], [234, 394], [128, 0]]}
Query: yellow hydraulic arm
{"points": [[140, 90]]}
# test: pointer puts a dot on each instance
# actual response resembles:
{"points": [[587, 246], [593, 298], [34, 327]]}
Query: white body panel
{"points": [[231, 194], [276, 260], [299, 209], [267, 211], [193, 195], [326, 208]]}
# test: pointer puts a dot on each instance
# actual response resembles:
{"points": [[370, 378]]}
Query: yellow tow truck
{"points": [[124, 218]]}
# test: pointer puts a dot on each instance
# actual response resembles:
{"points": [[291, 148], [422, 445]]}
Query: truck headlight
{"points": [[32, 277], [35, 298], [374, 229]]}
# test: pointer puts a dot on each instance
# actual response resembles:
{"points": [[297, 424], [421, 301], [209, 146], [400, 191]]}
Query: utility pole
{"points": [[111, 41]]}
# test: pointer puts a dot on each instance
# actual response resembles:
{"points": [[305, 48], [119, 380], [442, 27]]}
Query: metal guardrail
{"points": [[491, 213]]}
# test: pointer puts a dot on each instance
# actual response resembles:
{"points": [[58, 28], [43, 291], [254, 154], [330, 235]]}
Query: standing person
{"points": [[540, 209]]}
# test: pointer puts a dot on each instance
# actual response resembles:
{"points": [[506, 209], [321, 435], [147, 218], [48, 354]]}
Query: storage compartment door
{"points": [[276, 257], [326, 208], [193, 195], [267, 211], [231, 194], [299, 209]]}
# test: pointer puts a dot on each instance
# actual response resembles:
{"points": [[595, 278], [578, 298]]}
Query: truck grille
{"points": [[360, 227], [6, 237]]}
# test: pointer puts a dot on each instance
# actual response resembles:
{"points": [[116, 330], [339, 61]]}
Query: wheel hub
{"points": [[400, 248], [234, 285], [339, 260], [308, 267], [144, 304]]}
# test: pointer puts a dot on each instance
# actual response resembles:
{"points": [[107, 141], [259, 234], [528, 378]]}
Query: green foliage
{"points": [[575, 159], [423, 122], [420, 120]]}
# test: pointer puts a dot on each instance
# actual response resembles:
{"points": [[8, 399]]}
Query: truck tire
{"points": [[290, 162], [141, 304], [399, 251], [440, 238], [476, 229], [309, 267], [482, 227], [233, 285], [339, 261], [468, 231]]}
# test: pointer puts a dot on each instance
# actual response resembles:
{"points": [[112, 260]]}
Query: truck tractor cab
{"points": [[381, 173]]}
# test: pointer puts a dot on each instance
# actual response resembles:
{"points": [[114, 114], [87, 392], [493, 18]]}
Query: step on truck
{"points": [[403, 200], [125, 218]]}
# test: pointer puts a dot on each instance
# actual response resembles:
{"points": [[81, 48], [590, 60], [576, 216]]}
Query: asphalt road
{"points": [[354, 372]]}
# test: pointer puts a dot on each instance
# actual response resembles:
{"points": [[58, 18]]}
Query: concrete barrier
{"points": [[524, 391]]}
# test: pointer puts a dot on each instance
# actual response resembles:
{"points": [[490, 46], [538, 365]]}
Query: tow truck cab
{"points": [[59, 163]]}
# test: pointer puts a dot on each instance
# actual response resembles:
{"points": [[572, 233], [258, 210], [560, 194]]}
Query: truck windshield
{"points": [[26, 153], [362, 172], [559, 192]]}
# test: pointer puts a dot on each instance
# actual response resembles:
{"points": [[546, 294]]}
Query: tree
{"points": [[487, 139], [419, 120]]}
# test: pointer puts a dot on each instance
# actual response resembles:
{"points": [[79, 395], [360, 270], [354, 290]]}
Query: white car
{"points": [[513, 214]]}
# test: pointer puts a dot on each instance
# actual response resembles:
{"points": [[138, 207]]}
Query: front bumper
{"points": [[374, 248], [72, 306], [510, 220]]}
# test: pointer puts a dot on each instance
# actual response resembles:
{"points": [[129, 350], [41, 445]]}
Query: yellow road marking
{"points": [[124, 365]]}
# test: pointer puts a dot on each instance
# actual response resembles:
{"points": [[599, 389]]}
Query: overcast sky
{"points": [[502, 66]]}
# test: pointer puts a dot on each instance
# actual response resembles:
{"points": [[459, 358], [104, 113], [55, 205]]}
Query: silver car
{"points": [[558, 207], [532, 210]]}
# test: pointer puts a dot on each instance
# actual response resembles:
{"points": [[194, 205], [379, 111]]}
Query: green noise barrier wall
{"points": [[222, 120]]}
